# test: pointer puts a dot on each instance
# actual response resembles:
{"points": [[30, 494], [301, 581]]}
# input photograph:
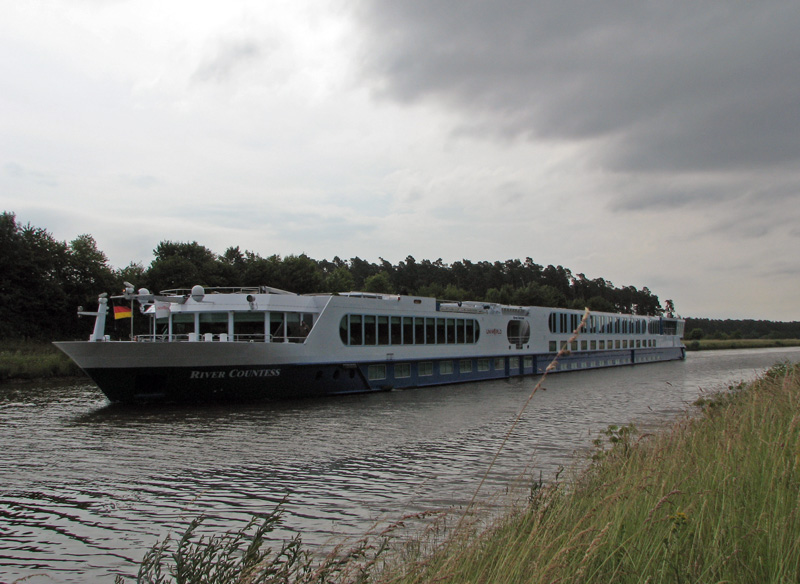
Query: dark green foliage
{"points": [[742, 329]]}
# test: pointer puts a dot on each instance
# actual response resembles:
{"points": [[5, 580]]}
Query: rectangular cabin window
{"points": [[419, 331], [441, 337], [584, 345], [602, 345], [430, 331], [356, 330], [593, 345], [402, 370], [465, 366], [396, 331], [383, 330], [248, 326], [527, 362], [483, 364], [499, 364], [513, 363], [553, 346], [277, 327], [376, 372], [445, 367], [183, 324], [460, 331], [451, 331], [616, 344], [408, 330], [213, 322], [574, 346], [425, 369], [370, 330], [469, 331]]}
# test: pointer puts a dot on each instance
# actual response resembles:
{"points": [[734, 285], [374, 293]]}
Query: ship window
{"points": [[441, 338], [584, 345], [593, 345], [397, 331], [574, 346], [356, 330], [451, 331], [425, 368], [513, 363], [483, 364], [551, 322], [499, 364], [402, 370], [553, 347], [518, 332], [465, 366], [342, 329], [616, 344], [470, 331], [375, 372], [213, 322], [445, 367], [430, 331], [383, 330], [460, 331], [527, 362], [277, 329], [419, 331], [248, 326], [182, 324], [370, 331], [408, 330], [602, 344]]}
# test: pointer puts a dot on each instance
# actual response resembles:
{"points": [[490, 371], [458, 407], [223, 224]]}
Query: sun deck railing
{"points": [[215, 338]]}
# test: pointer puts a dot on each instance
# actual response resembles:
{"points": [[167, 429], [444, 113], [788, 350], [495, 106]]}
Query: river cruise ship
{"points": [[264, 343]]}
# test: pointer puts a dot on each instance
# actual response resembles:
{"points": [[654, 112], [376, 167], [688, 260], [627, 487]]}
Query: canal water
{"points": [[86, 488]]}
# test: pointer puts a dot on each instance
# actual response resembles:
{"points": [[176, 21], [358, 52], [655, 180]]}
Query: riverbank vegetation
{"points": [[33, 360], [711, 498], [720, 344]]}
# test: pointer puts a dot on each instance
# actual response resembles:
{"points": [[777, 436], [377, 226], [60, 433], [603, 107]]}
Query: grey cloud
{"points": [[678, 86], [18, 171], [226, 58]]}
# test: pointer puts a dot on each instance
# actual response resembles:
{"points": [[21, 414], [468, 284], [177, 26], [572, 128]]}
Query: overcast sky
{"points": [[649, 143]]}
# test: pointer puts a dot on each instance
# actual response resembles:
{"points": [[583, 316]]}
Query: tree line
{"points": [[44, 280]]}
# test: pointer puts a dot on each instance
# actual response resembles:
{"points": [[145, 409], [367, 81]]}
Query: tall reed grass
{"points": [[29, 360]]}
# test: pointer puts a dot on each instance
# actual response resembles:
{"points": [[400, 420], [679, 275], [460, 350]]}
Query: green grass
{"points": [[32, 360], [715, 344], [714, 497]]}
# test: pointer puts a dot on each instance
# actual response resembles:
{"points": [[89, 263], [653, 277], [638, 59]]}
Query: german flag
{"points": [[122, 312]]}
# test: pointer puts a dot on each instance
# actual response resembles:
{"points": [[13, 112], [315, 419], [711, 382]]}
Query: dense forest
{"points": [[45, 280]]}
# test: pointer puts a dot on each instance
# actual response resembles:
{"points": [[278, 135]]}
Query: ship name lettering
{"points": [[255, 372]]}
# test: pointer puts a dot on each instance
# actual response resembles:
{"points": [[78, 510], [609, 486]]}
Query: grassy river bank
{"points": [[713, 497], [34, 360]]}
